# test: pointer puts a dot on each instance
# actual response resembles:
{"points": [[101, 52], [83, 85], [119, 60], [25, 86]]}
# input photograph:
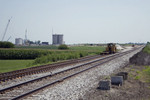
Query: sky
{"points": [[80, 21]]}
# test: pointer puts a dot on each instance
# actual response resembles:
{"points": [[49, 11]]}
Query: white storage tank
{"points": [[19, 41]]}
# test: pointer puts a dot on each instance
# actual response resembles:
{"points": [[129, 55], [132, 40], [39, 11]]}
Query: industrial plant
{"points": [[57, 39], [19, 41]]}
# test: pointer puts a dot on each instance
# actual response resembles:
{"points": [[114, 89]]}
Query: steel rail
{"points": [[60, 80], [40, 69], [36, 79], [117, 55]]}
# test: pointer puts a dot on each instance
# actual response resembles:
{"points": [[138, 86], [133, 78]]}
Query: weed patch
{"points": [[147, 48], [58, 57]]}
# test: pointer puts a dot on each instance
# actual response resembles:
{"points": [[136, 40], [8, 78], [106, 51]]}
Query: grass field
{"points": [[51, 47], [87, 48], [37, 47], [11, 65], [59, 55]]}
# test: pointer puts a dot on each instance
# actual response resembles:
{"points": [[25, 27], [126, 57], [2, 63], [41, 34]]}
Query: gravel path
{"points": [[76, 87]]}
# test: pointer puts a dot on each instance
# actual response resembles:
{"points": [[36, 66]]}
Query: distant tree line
{"points": [[63, 47], [6, 44]]}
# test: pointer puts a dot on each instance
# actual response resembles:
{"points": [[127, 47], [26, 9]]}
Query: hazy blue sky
{"points": [[81, 21]]}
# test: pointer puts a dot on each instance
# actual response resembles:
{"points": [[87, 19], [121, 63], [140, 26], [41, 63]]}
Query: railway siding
{"points": [[41, 69], [75, 88], [57, 77], [25, 78]]}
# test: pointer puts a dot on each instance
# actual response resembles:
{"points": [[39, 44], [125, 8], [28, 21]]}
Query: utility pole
{"points": [[6, 28]]}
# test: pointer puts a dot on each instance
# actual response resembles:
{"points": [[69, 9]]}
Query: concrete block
{"points": [[104, 85], [123, 74], [117, 80]]}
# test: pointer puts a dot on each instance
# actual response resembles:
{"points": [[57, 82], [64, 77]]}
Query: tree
{"points": [[63, 47], [38, 41], [6, 45]]}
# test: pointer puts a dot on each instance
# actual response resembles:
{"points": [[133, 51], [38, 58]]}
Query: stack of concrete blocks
{"points": [[115, 80]]}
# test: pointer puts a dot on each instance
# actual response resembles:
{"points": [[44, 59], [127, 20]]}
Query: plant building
{"points": [[57, 39], [19, 41]]}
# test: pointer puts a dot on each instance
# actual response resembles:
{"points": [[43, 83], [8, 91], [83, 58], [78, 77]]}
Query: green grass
{"points": [[89, 49], [147, 48], [76, 48], [142, 75], [37, 47], [57, 55], [146, 74], [11, 65], [137, 77], [86, 48]]}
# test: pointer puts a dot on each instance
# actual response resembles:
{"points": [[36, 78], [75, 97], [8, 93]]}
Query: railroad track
{"points": [[26, 88], [41, 69]]}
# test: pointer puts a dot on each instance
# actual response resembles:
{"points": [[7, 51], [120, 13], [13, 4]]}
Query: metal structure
{"points": [[9, 38], [26, 42], [6, 29], [26, 34], [57, 39], [110, 49]]}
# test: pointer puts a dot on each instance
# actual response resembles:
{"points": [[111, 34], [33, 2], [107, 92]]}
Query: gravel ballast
{"points": [[77, 86], [31, 77]]}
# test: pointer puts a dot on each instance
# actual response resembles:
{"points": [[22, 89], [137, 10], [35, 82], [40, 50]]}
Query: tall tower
{"points": [[26, 40]]}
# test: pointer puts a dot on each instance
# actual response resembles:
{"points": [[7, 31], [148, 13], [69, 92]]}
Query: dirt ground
{"points": [[132, 88], [141, 58]]}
